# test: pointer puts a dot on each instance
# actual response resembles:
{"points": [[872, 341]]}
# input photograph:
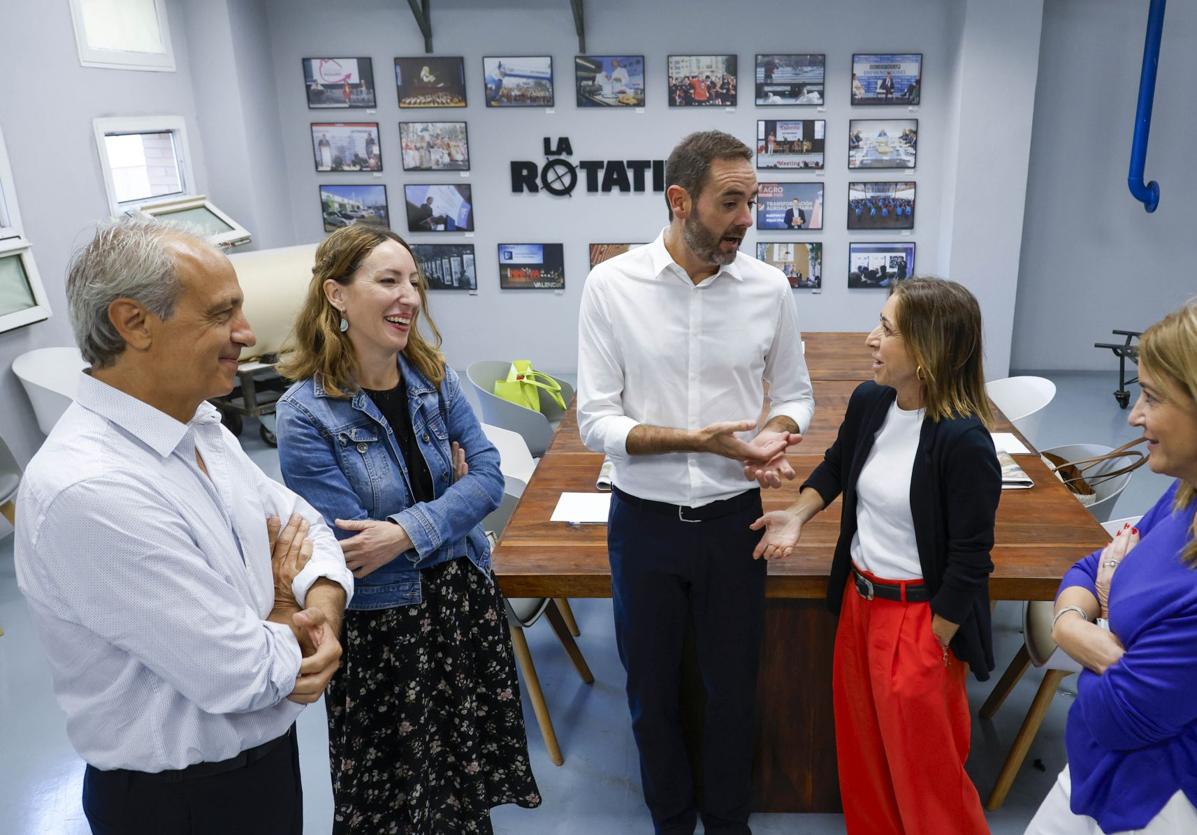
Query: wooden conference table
{"points": [[1040, 533]]}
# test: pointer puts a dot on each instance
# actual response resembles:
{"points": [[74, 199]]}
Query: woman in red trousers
{"points": [[910, 577]]}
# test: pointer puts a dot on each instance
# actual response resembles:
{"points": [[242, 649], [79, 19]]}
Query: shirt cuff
{"points": [[796, 412], [614, 433], [315, 569], [286, 671]]}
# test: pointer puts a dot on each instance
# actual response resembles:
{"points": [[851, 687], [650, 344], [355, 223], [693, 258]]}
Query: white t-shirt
{"points": [[884, 543]]}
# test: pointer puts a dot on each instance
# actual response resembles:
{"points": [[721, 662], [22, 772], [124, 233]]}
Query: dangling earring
{"points": [[344, 323], [918, 371]]}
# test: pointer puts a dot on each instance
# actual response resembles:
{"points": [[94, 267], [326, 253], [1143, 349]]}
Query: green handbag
{"points": [[524, 385]]}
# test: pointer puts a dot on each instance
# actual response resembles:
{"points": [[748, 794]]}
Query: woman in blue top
{"points": [[1132, 732], [426, 732]]}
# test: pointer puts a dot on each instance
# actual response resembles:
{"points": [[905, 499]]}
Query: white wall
{"points": [[1092, 258]]}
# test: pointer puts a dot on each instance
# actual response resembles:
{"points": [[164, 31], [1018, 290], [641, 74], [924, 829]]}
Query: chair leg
{"points": [[568, 614], [567, 641], [523, 657], [9, 511], [1014, 672], [1026, 735]]}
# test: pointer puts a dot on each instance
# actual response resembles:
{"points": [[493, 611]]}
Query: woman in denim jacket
{"points": [[426, 732]]}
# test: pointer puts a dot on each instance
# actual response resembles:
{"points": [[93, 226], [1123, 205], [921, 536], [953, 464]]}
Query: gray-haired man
{"points": [[149, 547]]}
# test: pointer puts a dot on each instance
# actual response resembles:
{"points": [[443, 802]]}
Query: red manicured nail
{"points": [[1135, 531]]}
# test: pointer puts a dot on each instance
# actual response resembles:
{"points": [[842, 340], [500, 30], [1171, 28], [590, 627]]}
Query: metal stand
{"points": [[1123, 351], [258, 389]]}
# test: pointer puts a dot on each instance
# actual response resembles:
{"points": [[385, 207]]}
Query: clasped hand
{"points": [[763, 457]]}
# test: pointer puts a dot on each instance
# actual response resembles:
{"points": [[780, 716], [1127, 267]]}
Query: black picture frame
{"points": [[355, 208], [682, 92], [595, 85], [508, 266], [813, 279], [875, 214], [888, 153], [429, 206], [452, 267], [493, 95], [430, 81], [407, 131], [768, 88], [775, 211], [866, 260], [899, 95], [814, 159], [330, 155], [318, 77]]}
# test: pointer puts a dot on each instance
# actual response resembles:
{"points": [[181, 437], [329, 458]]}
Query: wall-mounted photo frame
{"points": [[531, 266], [702, 80], [878, 144], [439, 208], [793, 80], [427, 81], [518, 80], [792, 145], [879, 264], [605, 252], [342, 205], [789, 207], [434, 146], [609, 80], [800, 261], [881, 205], [447, 266], [342, 83], [887, 78], [346, 146]]}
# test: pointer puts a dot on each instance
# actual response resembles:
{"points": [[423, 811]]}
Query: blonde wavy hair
{"points": [[317, 346], [941, 323], [1168, 351]]}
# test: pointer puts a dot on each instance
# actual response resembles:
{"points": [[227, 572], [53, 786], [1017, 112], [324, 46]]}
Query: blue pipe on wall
{"points": [[1148, 194]]}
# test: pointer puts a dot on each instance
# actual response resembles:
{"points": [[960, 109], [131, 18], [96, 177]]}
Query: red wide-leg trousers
{"points": [[901, 723]]}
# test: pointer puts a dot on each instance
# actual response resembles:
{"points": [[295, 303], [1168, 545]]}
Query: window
{"points": [[10, 218], [198, 216], [22, 298], [123, 34]]}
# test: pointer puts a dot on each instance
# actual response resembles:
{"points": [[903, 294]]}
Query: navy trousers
{"points": [[669, 575]]}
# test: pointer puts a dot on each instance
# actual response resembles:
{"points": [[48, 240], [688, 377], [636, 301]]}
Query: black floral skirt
{"points": [[425, 728]]}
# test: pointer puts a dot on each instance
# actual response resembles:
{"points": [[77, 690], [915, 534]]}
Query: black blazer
{"points": [[954, 491]]}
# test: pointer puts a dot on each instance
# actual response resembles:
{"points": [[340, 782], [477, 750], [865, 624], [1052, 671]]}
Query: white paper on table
{"points": [[1008, 442], [582, 508]]}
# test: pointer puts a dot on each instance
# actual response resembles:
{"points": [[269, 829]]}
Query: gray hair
{"points": [[127, 259]]}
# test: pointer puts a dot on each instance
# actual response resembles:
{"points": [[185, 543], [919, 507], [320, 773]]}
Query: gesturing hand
{"points": [[1123, 541], [720, 439], [375, 545], [290, 550], [782, 530], [321, 655], [771, 472]]}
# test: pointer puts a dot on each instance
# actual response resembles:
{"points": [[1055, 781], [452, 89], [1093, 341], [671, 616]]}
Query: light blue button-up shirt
{"points": [[149, 583]]}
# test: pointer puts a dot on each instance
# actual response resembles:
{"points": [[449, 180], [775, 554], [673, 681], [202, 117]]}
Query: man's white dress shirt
{"points": [[655, 348], [149, 582]]}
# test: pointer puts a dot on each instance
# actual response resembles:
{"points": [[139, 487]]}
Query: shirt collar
{"points": [[155, 428], [662, 260]]}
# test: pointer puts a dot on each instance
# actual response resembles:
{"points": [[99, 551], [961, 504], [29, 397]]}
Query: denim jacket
{"points": [[342, 456]]}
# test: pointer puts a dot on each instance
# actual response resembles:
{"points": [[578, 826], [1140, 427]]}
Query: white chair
{"points": [[515, 460], [522, 613], [1022, 400], [1039, 649], [1107, 490], [536, 427], [50, 376]]}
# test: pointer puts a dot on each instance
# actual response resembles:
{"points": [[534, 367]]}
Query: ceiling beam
{"points": [[419, 8], [579, 23]]}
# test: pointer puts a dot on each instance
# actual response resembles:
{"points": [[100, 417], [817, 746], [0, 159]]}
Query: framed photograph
{"points": [[346, 204], [339, 82], [792, 145], [604, 252], [702, 80], [426, 81], [447, 266], [889, 78], [879, 265], [346, 146], [883, 143], [790, 207], [887, 205], [801, 261], [790, 79], [609, 80], [436, 208], [531, 266], [434, 146], [518, 81]]}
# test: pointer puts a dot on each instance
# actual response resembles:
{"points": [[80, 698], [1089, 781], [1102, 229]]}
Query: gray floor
{"points": [[597, 790]]}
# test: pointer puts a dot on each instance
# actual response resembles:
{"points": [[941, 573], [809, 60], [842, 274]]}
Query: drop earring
{"points": [[344, 323]]}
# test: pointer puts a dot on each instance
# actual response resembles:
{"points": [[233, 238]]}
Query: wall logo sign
{"points": [[559, 176]]}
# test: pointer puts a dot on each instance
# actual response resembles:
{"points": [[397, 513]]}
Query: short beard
{"points": [[703, 244]]}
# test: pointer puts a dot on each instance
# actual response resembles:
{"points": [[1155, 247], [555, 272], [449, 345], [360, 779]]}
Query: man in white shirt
{"points": [[677, 340], [169, 606]]}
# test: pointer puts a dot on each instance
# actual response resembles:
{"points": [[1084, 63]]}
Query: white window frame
{"points": [[234, 237], [40, 311], [8, 194], [144, 124], [117, 59]]}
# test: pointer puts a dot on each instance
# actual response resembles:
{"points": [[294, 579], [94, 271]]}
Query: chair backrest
{"points": [[1108, 490], [515, 461], [1022, 400], [533, 426], [274, 283], [49, 376]]}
